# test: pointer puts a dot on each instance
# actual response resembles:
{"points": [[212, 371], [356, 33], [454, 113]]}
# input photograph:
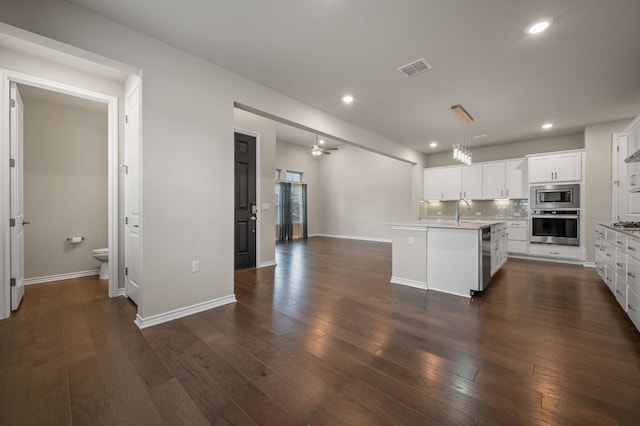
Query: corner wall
{"points": [[598, 196]]}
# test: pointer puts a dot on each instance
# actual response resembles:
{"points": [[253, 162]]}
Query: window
{"points": [[294, 176]]}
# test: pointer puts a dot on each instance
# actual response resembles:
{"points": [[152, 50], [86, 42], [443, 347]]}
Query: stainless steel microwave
{"points": [[555, 197]]}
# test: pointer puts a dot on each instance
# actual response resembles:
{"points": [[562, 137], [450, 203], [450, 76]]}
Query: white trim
{"points": [[183, 312], [60, 277], [9, 76], [552, 259], [267, 263], [589, 264], [409, 283], [122, 292], [351, 237], [466, 296]]}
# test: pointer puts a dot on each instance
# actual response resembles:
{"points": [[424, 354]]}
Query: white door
{"points": [[132, 199], [17, 199]]}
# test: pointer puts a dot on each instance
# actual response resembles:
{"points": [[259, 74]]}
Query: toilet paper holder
{"points": [[75, 240]]}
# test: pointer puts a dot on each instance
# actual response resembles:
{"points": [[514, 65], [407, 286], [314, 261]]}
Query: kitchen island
{"points": [[442, 255]]}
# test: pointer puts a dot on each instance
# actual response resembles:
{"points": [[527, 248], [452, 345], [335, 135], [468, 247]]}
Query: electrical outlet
{"points": [[410, 241], [439, 213], [195, 266], [478, 213]]}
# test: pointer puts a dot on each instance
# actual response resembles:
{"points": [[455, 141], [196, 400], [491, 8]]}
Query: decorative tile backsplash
{"points": [[485, 208]]}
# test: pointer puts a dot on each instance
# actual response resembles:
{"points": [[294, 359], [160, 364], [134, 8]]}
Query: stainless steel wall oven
{"points": [[555, 227]]}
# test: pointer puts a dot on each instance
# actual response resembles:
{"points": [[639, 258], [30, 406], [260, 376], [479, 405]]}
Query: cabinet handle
{"points": [[556, 175], [631, 248], [630, 306], [442, 195], [554, 252], [465, 194], [619, 242], [619, 264], [507, 192], [620, 293], [551, 175], [631, 275], [608, 254]]}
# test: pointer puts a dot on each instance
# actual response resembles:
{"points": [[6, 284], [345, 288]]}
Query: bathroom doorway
{"points": [[65, 185], [17, 254]]}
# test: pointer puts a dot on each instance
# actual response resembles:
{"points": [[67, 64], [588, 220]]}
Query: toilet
{"points": [[102, 254]]}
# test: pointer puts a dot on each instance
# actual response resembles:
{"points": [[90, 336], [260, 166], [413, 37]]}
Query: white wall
{"points": [[598, 196], [362, 192], [65, 187], [511, 150], [187, 123], [299, 159], [266, 150]]}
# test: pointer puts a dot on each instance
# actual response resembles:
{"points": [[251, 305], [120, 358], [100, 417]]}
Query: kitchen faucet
{"points": [[456, 215]]}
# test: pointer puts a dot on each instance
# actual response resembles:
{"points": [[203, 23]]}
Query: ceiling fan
{"points": [[317, 150]]}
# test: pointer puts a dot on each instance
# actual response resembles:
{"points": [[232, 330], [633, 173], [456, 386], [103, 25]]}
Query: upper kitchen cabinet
{"points": [[633, 147], [472, 182], [561, 167], [504, 179], [442, 183]]}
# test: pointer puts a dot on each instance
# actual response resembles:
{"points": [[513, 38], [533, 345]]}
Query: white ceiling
{"points": [[585, 69]]}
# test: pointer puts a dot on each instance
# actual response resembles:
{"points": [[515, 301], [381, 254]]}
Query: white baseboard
{"points": [[351, 237], [183, 312], [60, 277], [122, 292], [589, 264], [468, 296], [267, 263], [409, 283]]}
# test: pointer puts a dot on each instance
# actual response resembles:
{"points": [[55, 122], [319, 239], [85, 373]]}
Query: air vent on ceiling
{"points": [[415, 68]]}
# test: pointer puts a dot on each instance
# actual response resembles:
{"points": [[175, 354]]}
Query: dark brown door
{"points": [[245, 201]]}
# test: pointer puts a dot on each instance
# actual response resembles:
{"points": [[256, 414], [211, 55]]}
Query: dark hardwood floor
{"points": [[324, 338]]}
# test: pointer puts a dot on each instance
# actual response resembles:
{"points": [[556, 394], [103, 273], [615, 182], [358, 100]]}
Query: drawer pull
{"points": [[619, 264], [619, 242], [608, 254], [630, 306], [631, 248], [631, 275], [620, 293]]}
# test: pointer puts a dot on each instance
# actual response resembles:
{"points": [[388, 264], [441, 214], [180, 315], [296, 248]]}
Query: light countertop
{"points": [[447, 223]]}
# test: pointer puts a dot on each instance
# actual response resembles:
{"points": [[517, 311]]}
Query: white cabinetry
{"points": [[442, 183], [504, 179], [633, 145], [618, 264], [433, 184], [472, 182], [562, 167], [498, 246], [517, 236]]}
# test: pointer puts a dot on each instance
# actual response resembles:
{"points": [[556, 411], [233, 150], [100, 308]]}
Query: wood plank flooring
{"points": [[323, 339]]}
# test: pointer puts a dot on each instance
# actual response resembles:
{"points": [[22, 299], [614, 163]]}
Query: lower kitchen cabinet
{"points": [[618, 264], [517, 233]]}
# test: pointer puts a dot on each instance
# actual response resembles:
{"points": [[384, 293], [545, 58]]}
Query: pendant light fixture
{"points": [[462, 151]]}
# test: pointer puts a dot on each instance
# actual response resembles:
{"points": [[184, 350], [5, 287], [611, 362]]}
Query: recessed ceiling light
{"points": [[347, 99], [433, 144], [539, 26], [547, 125], [321, 141]]}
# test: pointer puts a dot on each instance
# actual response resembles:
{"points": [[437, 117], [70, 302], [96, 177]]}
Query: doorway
{"points": [[245, 203], [14, 254]]}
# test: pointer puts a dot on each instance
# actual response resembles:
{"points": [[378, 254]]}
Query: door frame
{"points": [[258, 191], [8, 76]]}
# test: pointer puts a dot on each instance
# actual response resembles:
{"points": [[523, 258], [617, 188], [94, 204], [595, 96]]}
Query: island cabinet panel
{"points": [[409, 256], [453, 263]]}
